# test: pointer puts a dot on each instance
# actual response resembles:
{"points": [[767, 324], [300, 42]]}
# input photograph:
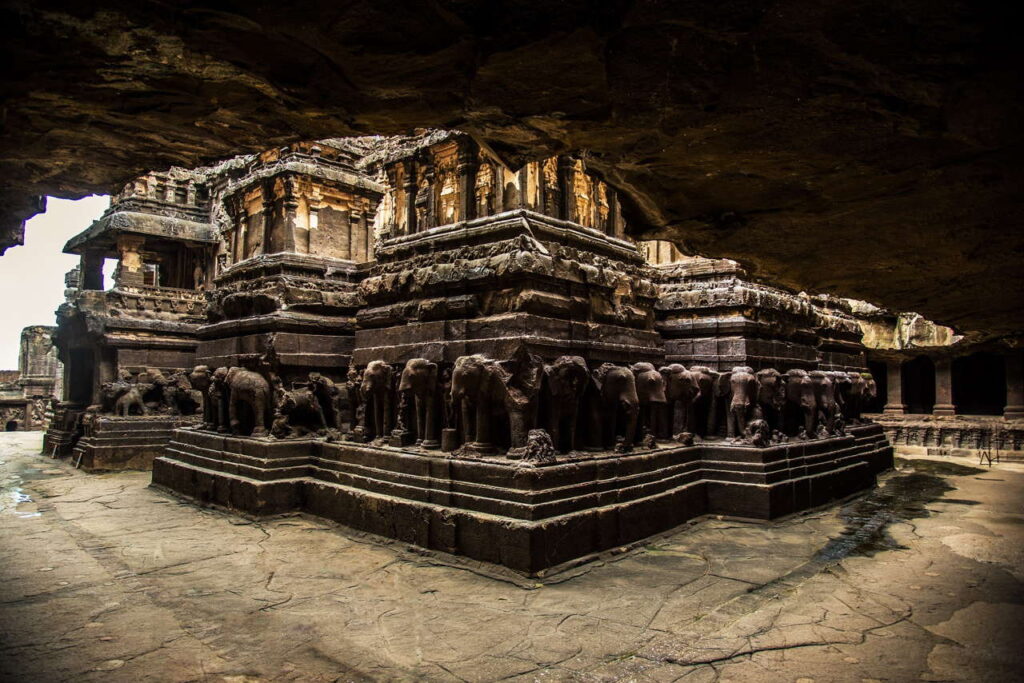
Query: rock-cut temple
{"points": [[408, 337]]}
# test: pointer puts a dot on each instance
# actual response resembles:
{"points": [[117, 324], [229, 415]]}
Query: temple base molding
{"points": [[532, 519]]}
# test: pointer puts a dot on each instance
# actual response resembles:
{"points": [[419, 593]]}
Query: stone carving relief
{"points": [[524, 406]]}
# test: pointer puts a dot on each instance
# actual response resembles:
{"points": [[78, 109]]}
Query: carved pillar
{"points": [[358, 233], [524, 188], [430, 212], [129, 270], [468, 163], [409, 187], [92, 269], [290, 206], [943, 388], [566, 173], [370, 219], [1014, 409], [259, 241], [894, 398], [613, 214]]}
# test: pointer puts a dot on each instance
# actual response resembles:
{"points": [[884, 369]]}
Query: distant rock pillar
{"points": [[894, 387], [943, 388], [1014, 409]]}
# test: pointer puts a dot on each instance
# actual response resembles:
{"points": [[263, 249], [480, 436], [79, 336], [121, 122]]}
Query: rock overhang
{"points": [[866, 150]]}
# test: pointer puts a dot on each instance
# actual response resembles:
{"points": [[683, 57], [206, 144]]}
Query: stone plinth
{"points": [[124, 443], [531, 519]]}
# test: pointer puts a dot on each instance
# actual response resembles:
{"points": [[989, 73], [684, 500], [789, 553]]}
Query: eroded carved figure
{"points": [[249, 397], [375, 393], [682, 390], [650, 390], [615, 402], [566, 381], [419, 379]]}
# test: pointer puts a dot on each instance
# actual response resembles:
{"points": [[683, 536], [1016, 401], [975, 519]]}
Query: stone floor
{"points": [[105, 579]]}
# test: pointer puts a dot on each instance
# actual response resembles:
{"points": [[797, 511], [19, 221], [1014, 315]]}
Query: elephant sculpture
{"points": [[841, 386], [854, 398], [249, 390], [826, 408], [706, 406], [179, 395], [771, 397], [122, 397], [152, 385], [353, 382], [202, 380], [682, 390], [375, 392], [800, 403], [615, 392], [650, 391], [566, 381], [870, 390], [742, 398], [298, 413], [329, 397], [218, 395], [419, 379], [492, 388]]}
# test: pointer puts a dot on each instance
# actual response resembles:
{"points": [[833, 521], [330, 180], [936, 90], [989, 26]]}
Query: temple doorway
{"points": [[979, 384], [919, 385]]}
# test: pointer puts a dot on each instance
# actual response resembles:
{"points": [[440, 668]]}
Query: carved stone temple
{"points": [[407, 337], [28, 393], [127, 348]]}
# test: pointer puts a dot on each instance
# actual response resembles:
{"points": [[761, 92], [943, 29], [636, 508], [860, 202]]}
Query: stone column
{"points": [[92, 269], [290, 207], [613, 214], [943, 388], [566, 174], [524, 188], [430, 214], [1014, 409], [129, 270], [466, 169], [894, 396]]}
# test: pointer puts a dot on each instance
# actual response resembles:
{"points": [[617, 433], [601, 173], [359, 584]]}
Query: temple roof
{"points": [[102, 234]]}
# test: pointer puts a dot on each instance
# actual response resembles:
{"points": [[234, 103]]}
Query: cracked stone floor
{"points": [[105, 579]]}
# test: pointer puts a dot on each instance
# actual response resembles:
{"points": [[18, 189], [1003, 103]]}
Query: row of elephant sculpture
{"points": [[480, 404], [149, 392]]}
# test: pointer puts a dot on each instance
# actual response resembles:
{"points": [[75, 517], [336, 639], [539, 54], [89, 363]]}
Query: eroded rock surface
{"points": [[868, 149]]}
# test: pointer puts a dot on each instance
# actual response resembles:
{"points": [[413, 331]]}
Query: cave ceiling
{"points": [[867, 149]]}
